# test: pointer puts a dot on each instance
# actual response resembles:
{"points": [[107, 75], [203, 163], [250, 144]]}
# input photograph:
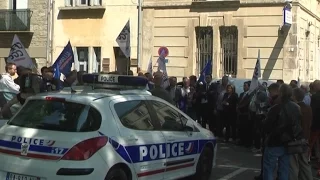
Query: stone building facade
{"points": [[231, 33], [27, 19], [92, 28]]}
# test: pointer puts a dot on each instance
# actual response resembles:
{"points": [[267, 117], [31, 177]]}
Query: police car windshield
{"points": [[57, 116]]}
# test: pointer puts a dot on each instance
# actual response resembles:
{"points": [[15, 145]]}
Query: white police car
{"points": [[104, 131]]}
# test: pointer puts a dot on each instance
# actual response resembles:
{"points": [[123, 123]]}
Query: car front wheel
{"points": [[116, 174], [204, 166]]}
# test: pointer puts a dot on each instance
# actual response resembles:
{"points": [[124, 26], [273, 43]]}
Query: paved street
{"points": [[238, 163]]}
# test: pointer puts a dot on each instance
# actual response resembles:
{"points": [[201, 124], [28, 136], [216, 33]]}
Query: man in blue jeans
{"points": [[278, 127]]}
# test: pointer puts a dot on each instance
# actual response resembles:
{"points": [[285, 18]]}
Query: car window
{"points": [[5, 97], [169, 118], [134, 115], [57, 116]]}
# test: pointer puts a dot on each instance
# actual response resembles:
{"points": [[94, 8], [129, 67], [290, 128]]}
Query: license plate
{"points": [[12, 176]]}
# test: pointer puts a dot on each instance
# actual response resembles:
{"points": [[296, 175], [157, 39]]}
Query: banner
{"points": [[256, 74], [149, 70], [65, 60], [123, 40], [19, 55], [58, 76]]}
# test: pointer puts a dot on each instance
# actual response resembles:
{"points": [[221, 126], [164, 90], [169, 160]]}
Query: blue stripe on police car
{"points": [[34, 148], [151, 152]]}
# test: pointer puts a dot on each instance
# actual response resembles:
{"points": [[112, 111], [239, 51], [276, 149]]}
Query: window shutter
{"points": [[76, 60], [96, 3], [94, 61], [67, 2]]}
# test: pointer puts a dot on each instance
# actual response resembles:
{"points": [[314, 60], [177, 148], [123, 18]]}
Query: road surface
{"points": [[238, 163]]}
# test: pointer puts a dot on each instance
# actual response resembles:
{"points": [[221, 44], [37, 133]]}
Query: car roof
{"points": [[85, 94]]}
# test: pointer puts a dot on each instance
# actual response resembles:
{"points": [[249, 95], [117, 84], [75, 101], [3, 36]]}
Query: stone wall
{"points": [[39, 27], [34, 41], [175, 28], [308, 35], [259, 27], [95, 28]]}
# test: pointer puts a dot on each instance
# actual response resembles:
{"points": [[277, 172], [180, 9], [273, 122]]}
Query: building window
{"points": [[97, 59], [229, 49], [204, 46], [83, 57], [83, 2]]}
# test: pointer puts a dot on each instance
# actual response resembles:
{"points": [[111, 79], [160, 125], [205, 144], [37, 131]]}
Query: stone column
{"points": [[147, 38]]}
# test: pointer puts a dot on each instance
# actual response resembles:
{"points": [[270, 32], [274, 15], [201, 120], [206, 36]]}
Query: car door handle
{"points": [[132, 138], [170, 139]]}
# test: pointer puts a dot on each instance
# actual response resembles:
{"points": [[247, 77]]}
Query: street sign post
{"points": [[165, 49]]}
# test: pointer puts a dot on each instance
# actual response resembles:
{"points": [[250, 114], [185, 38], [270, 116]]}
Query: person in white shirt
{"points": [[307, 97], [8, 87]]}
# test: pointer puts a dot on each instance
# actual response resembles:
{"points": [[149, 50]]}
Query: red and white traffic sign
{"points": [[165, 49]]}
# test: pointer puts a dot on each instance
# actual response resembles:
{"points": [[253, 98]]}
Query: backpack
{"points": [[30, 83], [291, 126]]}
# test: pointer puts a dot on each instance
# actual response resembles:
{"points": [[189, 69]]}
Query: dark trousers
{"points": [[257, 133], [230, 119], [192, 113], [220, 123], [207, 117], [245, 129], [262, 152]]}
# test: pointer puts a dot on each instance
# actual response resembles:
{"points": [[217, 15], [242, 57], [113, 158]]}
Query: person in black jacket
{"points": [[278, 127], [245, 126], [315, 106], [229, 103]]}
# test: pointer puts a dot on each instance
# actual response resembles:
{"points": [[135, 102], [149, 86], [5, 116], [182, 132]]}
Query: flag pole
{"points": [[128, 65]]}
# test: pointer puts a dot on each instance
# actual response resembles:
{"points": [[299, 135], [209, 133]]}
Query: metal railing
{"points": [[15, 20], [229, 49], [204, 46]]}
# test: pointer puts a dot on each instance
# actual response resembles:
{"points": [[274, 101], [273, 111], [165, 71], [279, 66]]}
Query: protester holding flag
{"points": [[59, 75], [150, 79]]}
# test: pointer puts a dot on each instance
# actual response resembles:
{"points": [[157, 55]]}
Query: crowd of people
{"points": [[279, 120], [14, 91]]}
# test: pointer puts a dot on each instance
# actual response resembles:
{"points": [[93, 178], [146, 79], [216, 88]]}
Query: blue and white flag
{"points": [[123, 40], [57, 75], [18, 54], [207, 70], [65, 60], [256, 75]]}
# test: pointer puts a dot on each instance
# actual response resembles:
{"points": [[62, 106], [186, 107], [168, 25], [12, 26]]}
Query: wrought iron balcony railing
{"points": [[15, 20]]}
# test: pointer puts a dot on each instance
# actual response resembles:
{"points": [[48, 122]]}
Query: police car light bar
{"points": [[115, 80]]}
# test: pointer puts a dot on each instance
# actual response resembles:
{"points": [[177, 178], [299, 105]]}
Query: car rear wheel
{"points": [[116, 174], [204, 166]]}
